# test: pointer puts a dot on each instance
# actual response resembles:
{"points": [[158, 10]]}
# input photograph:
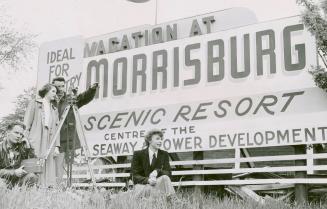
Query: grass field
{"points": [[33, 198]]}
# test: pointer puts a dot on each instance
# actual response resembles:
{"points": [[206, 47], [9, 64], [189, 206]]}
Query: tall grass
{"points": [[33, 198]]}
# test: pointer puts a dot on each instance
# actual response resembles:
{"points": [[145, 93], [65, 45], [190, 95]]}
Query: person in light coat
{"points": [[41, 121]]}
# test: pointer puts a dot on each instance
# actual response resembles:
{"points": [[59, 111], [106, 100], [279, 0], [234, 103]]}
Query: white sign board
{"points": [[61, 58], [243, 87]]}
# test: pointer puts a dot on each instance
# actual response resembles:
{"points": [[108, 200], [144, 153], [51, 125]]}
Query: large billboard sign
{"points": [[242, 87]]}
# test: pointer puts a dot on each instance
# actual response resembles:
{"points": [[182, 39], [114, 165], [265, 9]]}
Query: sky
{"points": [[52, 20]]}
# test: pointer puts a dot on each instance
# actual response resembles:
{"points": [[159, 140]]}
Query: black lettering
{"points": [[237, 111], [183, 114], [100, 121], [96, 149], [89, 121], [220, 105], [199, 110], [153, 121], [265, 105], [117, 119]]}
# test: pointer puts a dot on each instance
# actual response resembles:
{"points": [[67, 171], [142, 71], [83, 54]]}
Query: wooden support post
{"points": [[175, 157], [246, 153], [301, 192], [237, 158], [198, 190], [120, 160], [310, 161]]}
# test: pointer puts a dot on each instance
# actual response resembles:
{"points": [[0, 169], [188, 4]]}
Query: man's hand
{"points": [[27, 143], [95, 85], [56, 152], [19, 172], [152, 181], [154, 174], [41, 162]]}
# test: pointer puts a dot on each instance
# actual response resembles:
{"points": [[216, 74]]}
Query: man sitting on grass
{"points": [[13, 149], [150, 167]]}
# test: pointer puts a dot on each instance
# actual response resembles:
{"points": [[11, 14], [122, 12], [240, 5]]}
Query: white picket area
{"points": [[235, 169]]}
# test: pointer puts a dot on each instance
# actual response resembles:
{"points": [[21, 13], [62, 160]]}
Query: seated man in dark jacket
{"points": [[12, 151], [150, 167]]}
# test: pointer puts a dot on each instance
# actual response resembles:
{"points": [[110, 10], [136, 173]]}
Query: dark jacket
{"points": [[141, 167], [68, 131], [7, 165]]}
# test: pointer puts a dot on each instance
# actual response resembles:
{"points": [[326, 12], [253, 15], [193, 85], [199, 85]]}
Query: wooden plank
{"points": [[317, 175], [319, 167], [250, 159], [288, 195], [318, 190], [246, 154], [241, 175], [265, 187], [111, 166], [252, 181], [224, 182], [310, 162], [104, 175], [237, 158], [216, 171], [245, 170], [99, 185], [246, 193], [268, 174], [217, 161], [230, 191]]}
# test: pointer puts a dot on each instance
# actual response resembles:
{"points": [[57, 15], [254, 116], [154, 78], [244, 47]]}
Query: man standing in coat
{"points": [[150, 167], [68, 137]]}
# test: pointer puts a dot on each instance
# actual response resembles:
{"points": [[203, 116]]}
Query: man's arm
{"points": [[26, 150], [86, 96], [19, 172], [29, 153], [138, 170], [166, 169]]}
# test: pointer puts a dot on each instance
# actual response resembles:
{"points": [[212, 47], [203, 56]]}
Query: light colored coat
{"points": [[40, 138], [36, 132]]}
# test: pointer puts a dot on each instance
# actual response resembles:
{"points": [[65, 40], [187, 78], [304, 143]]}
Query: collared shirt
{"points": [[151, 155]]}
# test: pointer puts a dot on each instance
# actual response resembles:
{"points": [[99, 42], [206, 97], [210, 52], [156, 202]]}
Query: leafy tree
{"points": [[15, 49], [21, 103], [15, 46], [314, 18]]}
